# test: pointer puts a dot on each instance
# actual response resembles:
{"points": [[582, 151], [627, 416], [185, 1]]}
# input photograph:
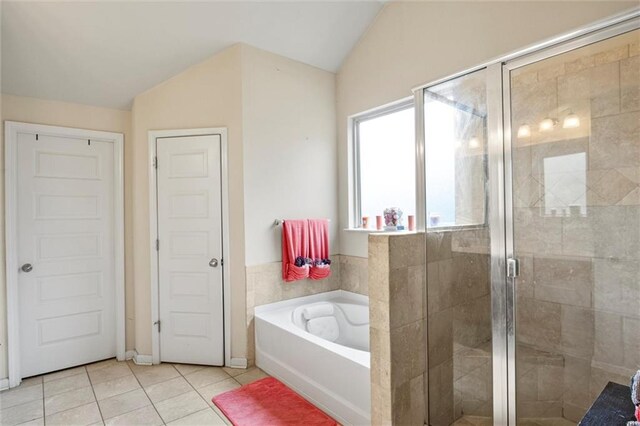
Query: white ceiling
{"points": [[105, 53]]}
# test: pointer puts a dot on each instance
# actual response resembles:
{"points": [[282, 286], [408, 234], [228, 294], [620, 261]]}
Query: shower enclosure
{"points": [[531, 204]]}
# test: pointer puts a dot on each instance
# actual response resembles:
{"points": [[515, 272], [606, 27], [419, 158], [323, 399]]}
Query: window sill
{"points": [[378, 231]]}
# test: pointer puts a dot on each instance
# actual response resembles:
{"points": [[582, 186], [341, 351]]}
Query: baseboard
{"points": [[129, 355], [142, 359], [4, 384], [238, 363]]}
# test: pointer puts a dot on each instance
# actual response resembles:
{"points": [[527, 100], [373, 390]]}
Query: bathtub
{"points": [[334, 375]]}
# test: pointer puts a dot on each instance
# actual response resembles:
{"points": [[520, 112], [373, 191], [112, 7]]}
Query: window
{"points": [[384, 163]]}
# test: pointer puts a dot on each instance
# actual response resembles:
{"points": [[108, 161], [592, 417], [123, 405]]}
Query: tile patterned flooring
{"points": [[123, 393]]}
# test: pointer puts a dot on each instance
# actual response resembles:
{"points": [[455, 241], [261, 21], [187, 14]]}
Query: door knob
{"points": [[27, 267], [213, 262]]}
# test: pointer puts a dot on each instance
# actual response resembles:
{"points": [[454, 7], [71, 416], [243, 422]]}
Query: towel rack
{"points": [[279, 222]]}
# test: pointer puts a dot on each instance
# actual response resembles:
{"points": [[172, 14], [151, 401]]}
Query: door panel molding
{"points": [[153, 135], [12, 130]]}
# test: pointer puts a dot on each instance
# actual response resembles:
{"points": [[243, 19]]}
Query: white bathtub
{"points": [[333, 375]]}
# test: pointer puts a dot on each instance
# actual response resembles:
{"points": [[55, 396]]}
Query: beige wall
{"points": [[206, 95], [290, 152], [411, 43], [30, 110]]}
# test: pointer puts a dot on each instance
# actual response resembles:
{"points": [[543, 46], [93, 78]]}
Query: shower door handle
{"points": [[513, 267]]}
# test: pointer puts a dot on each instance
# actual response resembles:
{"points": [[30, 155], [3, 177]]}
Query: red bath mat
{"points": [[268, 402]]}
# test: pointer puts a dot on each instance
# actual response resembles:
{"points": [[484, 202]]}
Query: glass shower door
{"points": [[458, 252], [575, 157]]}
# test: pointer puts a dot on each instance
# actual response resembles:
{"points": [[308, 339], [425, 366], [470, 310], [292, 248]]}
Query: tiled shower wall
{"points": [[578, 303], [265, 285]]}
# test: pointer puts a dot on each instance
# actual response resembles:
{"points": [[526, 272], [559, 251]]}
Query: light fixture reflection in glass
{"points": [[474, 142], [571, 121], [547, 124], [524, 131]]}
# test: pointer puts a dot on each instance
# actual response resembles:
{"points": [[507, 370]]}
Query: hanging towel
{"points": [[319, 248], [325, 327], [295, 242]]}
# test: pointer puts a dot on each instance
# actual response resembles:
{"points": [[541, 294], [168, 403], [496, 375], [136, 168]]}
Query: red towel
{"points": [[295, 242], [319, 247]]}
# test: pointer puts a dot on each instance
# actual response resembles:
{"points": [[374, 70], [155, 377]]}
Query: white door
{"points": [[190, 249], [65, 229]]}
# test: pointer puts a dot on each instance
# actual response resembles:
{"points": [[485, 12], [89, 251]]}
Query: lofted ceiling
{"points": [[105, 53]]}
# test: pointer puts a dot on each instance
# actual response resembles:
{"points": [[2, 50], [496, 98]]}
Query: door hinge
{"points": [[157, 245], [158, 324], [155, 162], [513, 267]]}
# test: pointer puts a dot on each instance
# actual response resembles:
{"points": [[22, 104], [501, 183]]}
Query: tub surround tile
{"points": [[381, 409], [380, 347], [353, 274], [406, 361], [379, 315], [397, 282], [409, 402]]}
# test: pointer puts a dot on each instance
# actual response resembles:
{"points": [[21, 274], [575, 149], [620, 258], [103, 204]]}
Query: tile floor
{"points": [[123, 393]]}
